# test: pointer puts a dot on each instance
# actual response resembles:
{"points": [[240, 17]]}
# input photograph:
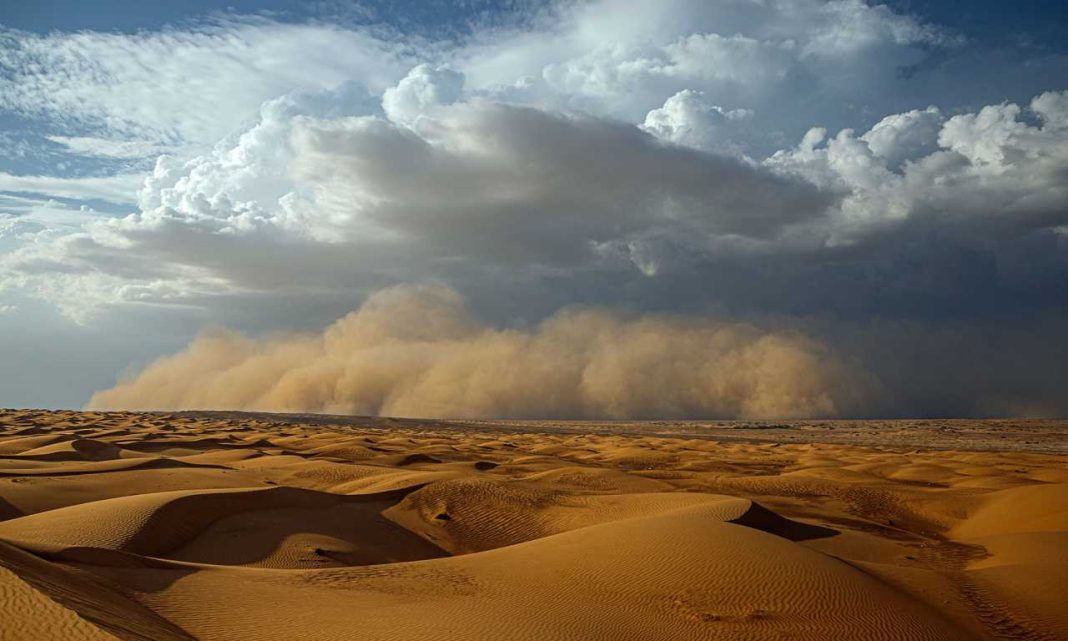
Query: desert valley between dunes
{"points": [[230, 526]]}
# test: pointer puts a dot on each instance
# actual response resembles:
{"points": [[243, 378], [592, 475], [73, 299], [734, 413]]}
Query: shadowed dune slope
{"points": [[279, 527], [42, 600]]}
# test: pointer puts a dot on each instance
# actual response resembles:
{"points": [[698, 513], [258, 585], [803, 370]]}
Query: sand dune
{"points": [[46, 600], [1024, 530], [30, 614], [254, 527], [639, 578]]}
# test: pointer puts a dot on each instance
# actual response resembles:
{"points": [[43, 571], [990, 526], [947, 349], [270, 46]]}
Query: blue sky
{"points": [[880, 177], [1040, 20], [429, 17]]}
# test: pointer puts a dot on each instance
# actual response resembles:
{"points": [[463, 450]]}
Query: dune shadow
{"points": [[93, 597], [761, 518], [9, 511], [345, 534], [80, 468]]}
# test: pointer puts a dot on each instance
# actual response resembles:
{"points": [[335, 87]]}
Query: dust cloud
{"points": [[416, 351]]}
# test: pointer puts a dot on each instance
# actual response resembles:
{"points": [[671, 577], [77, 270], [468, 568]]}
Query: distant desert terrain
{"points": [[248, 527]]}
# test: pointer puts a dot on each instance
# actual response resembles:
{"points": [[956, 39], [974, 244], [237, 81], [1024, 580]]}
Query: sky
{"points": [[602, 208]]}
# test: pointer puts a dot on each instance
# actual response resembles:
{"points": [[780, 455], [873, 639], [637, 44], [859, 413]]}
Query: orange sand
{"points": [[225, 526]]}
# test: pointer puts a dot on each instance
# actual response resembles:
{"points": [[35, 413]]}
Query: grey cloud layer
{"points": [[491, 184], [495, 178]]}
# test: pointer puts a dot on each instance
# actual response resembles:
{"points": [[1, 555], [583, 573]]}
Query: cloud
{"points": [[791, 63], [476, 183], [484, 178], [108, 148], [905, 136], [422, 89], [22, 216], [483, 192], [191, 85], [418, 352], [120, 189], [689, 119], [989, 172]]}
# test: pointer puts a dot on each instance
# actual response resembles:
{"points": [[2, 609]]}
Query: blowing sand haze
{"points": [[417, 351]]}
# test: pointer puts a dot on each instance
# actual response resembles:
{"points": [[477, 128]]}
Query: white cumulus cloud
{"points": [[422, 89]]}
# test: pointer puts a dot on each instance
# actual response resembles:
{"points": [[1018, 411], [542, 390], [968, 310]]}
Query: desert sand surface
{"points": [[231, 526]]}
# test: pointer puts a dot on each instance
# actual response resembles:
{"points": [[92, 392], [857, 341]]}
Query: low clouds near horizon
{"points": [[828, 178]]}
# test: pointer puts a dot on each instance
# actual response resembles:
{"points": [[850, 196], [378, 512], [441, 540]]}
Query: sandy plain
{"points": [[230, 526]]}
